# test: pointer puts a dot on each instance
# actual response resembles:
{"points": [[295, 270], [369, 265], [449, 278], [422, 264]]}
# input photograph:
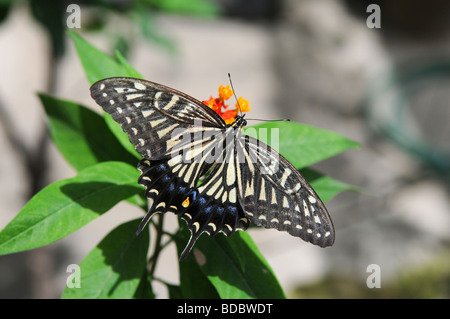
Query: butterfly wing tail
{"points": [[188, 248], [144, 222]]}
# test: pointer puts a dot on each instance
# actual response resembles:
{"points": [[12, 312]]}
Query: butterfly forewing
{"points": [[184, 141], [275, 195], [158, 120]]}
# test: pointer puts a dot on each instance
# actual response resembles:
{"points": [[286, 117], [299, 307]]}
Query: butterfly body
{"points": [[207, 172]]}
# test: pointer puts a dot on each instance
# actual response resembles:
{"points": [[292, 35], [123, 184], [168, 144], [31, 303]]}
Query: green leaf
{"points": [[300, 144], [144, 290], [99, 65], [81, 135], [67, 205], [115, 267], [174, 291], [147, 22], [128, 68], [84, 139], [192, 7], [51, 15], [193, 283], [5, 8], [234, 273], [325, 186], [224, 268]]}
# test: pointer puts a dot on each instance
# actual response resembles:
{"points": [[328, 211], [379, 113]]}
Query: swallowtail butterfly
{"points": [[242, 180]]}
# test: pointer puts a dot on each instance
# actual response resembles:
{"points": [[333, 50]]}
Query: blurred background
{"points": [[381, 78]]}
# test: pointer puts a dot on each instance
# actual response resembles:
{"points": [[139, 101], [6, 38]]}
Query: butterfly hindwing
{"points": [[164, 188], [213, 206]]}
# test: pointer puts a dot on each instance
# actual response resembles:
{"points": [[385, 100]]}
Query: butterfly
{"points": [[206, 171]]}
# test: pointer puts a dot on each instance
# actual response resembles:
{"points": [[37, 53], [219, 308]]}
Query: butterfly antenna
{"points": [[264, 120], [237, 101], [239, 106]]}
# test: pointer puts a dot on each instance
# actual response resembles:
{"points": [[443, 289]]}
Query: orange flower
{"points": [[213, 104], [242, 104], [219, 106], [225, 92], [229, 116]]}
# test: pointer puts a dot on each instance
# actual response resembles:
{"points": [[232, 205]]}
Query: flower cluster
{"points": [[219, 106]]}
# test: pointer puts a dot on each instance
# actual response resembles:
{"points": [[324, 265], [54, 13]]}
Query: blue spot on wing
{"points": [[202, 201]]}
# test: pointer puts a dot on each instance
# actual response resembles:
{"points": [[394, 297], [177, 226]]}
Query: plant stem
{"points": [[158, 247]]}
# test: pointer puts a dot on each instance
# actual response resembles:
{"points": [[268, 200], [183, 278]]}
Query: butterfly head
{"points": [[239, 121]]}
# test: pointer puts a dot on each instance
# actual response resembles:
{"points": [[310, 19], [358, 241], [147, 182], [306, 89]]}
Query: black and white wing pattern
{"points": [[158, 120], [275, 195], [178, 136], [182, 140]]}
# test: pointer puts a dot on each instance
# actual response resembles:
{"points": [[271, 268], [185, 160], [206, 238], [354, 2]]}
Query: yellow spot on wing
{"points": [[185, 203]]}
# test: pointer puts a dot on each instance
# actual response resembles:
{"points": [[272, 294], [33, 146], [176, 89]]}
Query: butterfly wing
{"points": [[275, 195], [158, 120], [175, 134], [214, 207]]}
